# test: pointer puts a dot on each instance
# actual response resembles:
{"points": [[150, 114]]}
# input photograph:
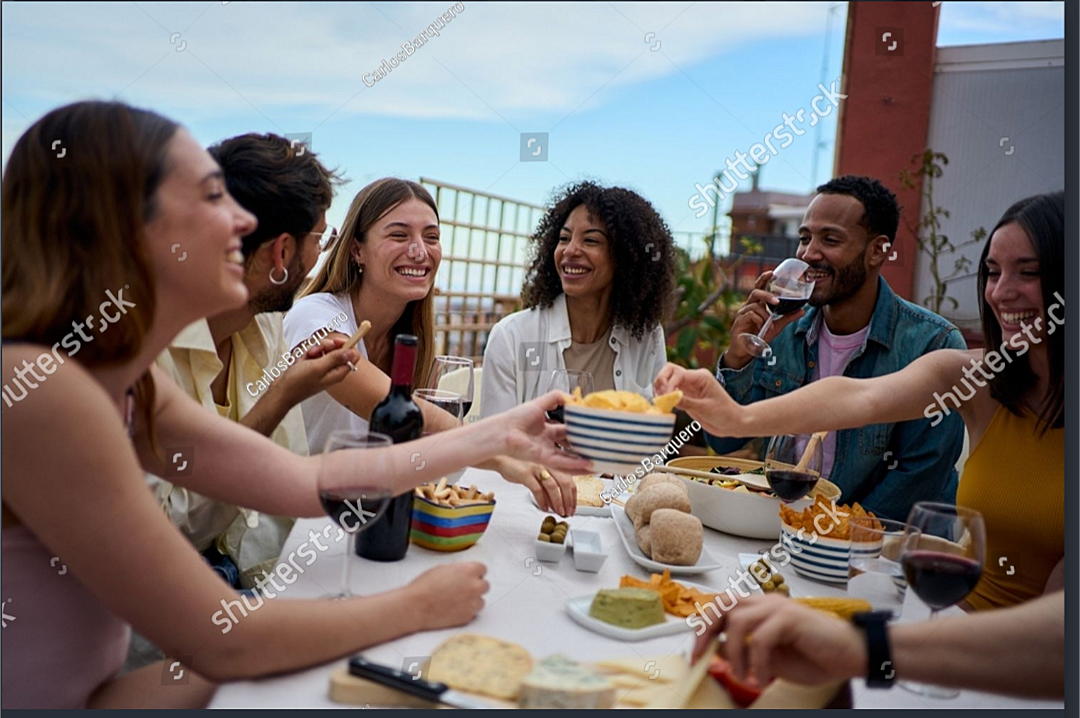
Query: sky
{"points": [[653, 96]]}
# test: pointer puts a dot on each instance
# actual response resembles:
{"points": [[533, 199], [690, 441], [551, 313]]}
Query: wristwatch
{"points": [[880, 672]]}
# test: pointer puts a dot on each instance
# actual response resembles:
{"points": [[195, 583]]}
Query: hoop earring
{"points": [[283, 279]]}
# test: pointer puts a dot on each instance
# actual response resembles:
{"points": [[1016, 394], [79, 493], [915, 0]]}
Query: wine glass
{"points": [[449, 401], [793, 465], [453, 373], [942, 553], [352, 499], [793, 291], [567, 380]]}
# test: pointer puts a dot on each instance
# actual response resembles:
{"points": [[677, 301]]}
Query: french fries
{"points": [[839, 518], [453, 495], [626, 401]]}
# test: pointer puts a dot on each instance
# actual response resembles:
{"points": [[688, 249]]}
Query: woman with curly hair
{"points": [[595, 295]]}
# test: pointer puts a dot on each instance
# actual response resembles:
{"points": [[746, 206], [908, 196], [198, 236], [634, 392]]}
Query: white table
{"points": [[526, 604]]}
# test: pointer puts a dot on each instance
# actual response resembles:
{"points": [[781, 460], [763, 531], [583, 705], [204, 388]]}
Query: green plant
{"points": [[929, 167], [706, 301]]}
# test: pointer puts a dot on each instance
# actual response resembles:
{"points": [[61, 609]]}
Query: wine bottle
{"points": [[398, 417]]}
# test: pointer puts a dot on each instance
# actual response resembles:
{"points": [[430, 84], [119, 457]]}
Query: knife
{"points": [[412, 684]]}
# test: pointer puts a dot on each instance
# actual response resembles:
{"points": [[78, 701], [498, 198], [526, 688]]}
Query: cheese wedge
{"points": [[479, 664], [558, 682]]}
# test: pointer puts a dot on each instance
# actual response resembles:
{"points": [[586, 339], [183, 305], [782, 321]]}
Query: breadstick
{"points": [[441, 485], [364, 328]]}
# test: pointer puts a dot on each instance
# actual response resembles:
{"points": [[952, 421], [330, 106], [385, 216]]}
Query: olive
{"points": [[768, 586], [778, 580], [558, 538], [544, 537], [783, 588]]}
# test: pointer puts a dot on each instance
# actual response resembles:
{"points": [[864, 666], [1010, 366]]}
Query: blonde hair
{"points": [[340, 274]]}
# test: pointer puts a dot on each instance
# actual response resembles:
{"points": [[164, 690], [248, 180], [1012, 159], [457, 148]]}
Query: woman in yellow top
{"points": [[1010, 395]]}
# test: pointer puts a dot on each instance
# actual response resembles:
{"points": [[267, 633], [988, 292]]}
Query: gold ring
{"points": [[544, 475]]}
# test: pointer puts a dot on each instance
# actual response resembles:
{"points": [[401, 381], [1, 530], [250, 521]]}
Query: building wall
{"points": [[998, 114]]}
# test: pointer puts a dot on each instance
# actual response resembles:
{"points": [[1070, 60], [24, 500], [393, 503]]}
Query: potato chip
{"points": [[667, 402], [822, 518]]}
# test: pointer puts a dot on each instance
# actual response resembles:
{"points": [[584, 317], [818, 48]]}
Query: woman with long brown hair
{"points": [[108, 252], [382, 269]]}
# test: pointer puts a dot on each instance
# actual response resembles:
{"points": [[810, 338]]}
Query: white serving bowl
{"points": [[817, 557], [616, 441], [752, 515]]}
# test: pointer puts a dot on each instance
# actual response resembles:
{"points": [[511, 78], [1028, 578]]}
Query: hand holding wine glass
{"points": [[566, 380], [790, 287]]}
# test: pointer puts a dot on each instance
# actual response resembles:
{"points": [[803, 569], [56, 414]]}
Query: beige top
{"points": [[597, 358], [251, 540]]}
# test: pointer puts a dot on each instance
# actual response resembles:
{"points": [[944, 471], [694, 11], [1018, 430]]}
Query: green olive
{"points": [[544, 537], [558, 538], [768, 586], [778, 580], [783, 588]]}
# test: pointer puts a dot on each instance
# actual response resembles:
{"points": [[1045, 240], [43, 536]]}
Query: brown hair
{"points": [[340, 274], [78, 190]]}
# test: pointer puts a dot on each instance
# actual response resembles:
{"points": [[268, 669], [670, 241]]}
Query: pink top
{"points": [[60, 642], [834, 354]]}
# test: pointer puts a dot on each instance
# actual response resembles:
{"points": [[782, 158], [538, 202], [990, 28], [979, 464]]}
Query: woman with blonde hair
{"points": [[382, 268], [107, 255]]}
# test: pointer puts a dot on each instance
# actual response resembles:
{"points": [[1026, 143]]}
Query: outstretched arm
{"points": [[1020, 649], [235, 465], [829, 404]]}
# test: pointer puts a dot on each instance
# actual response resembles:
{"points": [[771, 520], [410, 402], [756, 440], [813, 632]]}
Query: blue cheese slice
{"points": [[558, 682]]}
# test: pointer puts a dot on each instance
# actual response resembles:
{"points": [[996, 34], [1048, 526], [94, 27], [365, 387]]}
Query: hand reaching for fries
{"points": [[703, 398]]}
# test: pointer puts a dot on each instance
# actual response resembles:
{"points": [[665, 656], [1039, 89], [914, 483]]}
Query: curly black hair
{"points": [[881, 213], [641, 243]]}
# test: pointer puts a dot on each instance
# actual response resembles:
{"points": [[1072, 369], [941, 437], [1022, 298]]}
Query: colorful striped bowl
{"points": [[448, 528]]}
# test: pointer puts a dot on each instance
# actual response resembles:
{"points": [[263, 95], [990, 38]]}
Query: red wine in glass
{"points": [[941, 579], [355, 508], [787, 305], [791, 485], [448, 401]]}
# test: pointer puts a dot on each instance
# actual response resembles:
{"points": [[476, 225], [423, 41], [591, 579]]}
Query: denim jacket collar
{"points": [[882, 322]]}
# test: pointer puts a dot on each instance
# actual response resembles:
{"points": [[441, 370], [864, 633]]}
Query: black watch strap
{"points": [[880, 673]]}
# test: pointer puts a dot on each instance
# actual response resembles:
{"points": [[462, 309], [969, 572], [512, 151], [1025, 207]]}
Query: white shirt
{"points": [[525, 347], [323, 415]]}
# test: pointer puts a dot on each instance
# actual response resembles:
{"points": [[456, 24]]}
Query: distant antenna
{"points": [[818, 144]]}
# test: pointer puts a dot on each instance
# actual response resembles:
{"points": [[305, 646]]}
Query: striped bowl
{"points": [[817, 557], [616, 441], [448, 528]]}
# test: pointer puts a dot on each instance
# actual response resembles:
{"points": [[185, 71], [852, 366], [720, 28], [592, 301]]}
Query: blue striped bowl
{"points": [[616, 441], [817, 557]]}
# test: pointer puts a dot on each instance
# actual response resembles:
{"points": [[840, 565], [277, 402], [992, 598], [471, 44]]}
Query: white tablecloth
{"points": [[526, 604]]}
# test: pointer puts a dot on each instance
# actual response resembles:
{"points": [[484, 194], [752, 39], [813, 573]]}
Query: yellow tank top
{"points": [[1017, 481]]}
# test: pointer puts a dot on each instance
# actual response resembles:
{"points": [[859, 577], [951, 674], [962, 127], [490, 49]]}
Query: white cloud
{"points": [[1001, 18], [310, 58]]}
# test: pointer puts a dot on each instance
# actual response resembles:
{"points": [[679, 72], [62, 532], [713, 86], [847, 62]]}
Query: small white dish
{"points": [[746, 560], [578, 608], [550, 552], [589, 555], [706, 561]]}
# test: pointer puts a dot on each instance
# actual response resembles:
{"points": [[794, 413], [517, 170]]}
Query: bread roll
{"points": [[643, 541], [675, 537], [633, 507], [657, 479], [660, 496]]}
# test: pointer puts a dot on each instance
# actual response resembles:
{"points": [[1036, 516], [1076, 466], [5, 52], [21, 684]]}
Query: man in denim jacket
{"points": [[856, 326]]}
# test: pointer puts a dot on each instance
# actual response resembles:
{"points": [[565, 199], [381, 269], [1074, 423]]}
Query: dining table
{"points": [[527, 603]]}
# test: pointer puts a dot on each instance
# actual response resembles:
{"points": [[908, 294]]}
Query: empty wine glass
{"points": [[454, 374], [942, 553], [789, 285], [352, 498], [793, 465], [567, 380]]}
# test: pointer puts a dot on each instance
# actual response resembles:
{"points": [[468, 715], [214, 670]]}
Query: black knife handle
{"points": [[399, 680]]}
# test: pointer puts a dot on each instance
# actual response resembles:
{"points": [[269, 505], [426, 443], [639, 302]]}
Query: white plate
{"points": [[578, 608], [604, 511], [706, 561], [748, 559]]}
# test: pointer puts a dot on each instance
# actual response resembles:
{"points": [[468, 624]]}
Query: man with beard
{"points": [[220, 361], [856, 326]]}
